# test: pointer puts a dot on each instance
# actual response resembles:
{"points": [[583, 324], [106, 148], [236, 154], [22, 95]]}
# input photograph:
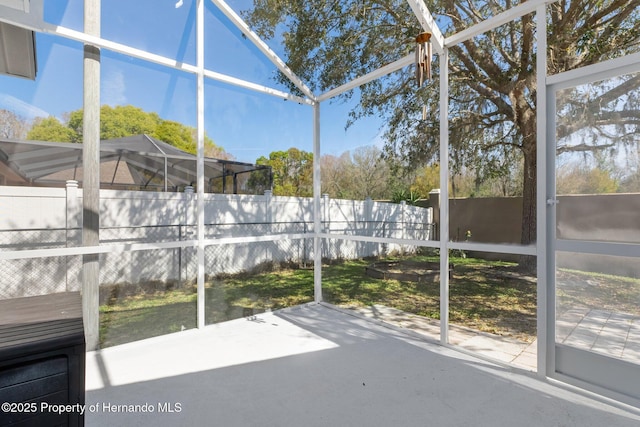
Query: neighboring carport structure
{"points": [[138, 162]]}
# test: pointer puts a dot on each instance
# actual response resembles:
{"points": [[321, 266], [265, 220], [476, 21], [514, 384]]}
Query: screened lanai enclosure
{"points": [[138, 162], [446, 207]]}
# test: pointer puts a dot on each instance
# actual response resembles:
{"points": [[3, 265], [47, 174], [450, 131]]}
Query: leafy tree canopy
{"points": [[122, 121], [575, 179], [292, 172], [492, 77], [50, 129], [426, 180]]}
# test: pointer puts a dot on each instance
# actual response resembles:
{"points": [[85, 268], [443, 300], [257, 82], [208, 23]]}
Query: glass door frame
{"points": [[599, 373]]}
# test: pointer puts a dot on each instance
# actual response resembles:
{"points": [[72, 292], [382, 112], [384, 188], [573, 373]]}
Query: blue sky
{"points": [[245, 123]]}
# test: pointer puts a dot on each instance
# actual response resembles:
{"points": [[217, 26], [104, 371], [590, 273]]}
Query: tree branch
{"points": [[582, 148]]}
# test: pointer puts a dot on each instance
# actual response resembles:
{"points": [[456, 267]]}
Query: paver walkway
{"points": [[613, 334], [504, 349]]}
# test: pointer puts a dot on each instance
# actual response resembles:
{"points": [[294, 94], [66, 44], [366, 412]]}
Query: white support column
{"points": [[444, 196], [545, 282], [200, 162], [91, 177], [317, 242]]}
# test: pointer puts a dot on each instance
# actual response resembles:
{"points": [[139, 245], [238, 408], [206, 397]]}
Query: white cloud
{"points": [[113, 89], [21, 107]]}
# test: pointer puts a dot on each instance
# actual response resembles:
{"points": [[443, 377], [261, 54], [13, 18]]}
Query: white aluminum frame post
{"points": [[200, 252], [317, 212], [444, 196], [91, 178], [545, 302]]}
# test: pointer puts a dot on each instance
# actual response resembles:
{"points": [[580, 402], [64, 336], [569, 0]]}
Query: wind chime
{"points": [[423, 58], [423, 62]]}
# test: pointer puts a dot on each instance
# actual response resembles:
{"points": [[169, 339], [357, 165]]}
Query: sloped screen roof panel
{"points": [[149, 162]]}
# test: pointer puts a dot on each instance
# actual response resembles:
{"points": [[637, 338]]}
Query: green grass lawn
{"points": [[154, 312], [484, 295], [145, 315], [580, 289]]}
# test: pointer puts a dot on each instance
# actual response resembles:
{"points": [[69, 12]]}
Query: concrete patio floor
{"points": [[314, 365]]}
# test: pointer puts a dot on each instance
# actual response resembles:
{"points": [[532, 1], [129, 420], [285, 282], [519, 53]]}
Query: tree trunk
{"points": [[528, 228]]}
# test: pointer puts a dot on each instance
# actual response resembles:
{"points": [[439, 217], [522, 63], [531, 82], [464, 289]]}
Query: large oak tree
{"points": [[492, 77]]}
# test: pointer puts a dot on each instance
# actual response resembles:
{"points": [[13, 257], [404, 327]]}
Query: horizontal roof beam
{"points": [[255, 87], [48, 169], [68, 160], [37, 153], [428, 23], [380, 72], [509, 15], [266, 50], [594, 72], [151, 57]]}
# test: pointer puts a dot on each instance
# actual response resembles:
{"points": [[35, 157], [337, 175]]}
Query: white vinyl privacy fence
{"points": [[37, 218]]}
